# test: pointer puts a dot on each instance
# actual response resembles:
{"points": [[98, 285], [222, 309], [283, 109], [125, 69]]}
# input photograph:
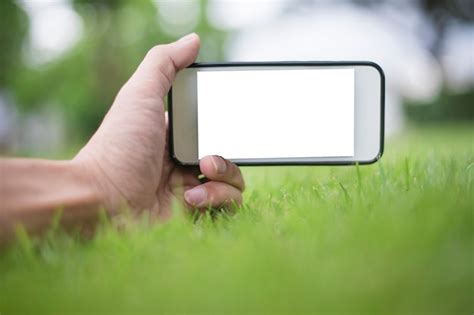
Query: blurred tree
{"points": [[84, 81], [449, 106], [440, 14], [14, 26]]}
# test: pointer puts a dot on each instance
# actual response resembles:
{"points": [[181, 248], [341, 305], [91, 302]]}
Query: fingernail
{"points": [[196, 196], [187, 37], [219, 164]]}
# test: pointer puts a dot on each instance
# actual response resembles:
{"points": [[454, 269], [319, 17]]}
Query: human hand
{"points": [[127, 160]]}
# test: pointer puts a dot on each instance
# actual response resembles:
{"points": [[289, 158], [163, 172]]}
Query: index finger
{"points": [[216, 168]]}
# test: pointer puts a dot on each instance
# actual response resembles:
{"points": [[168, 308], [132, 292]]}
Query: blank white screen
{"points": [[251, 114]]}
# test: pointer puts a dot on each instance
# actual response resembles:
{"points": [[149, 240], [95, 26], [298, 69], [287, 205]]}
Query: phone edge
{"points": [[288, 63]]}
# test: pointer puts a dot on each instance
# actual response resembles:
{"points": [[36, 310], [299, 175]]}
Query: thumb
{"points": [[160, 65]]}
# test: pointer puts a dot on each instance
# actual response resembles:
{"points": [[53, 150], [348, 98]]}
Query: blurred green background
{"points": [[62, 62], [79, 84], [395, 237]]}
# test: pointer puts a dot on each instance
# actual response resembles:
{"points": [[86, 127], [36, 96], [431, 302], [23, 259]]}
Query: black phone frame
{"points": [[287, 63]]}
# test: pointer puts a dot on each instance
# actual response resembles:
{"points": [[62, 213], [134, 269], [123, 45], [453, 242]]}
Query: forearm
{"points": [[32, 191]]}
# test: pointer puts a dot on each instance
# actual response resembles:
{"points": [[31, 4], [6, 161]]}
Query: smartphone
{"points": [[278, 113]]}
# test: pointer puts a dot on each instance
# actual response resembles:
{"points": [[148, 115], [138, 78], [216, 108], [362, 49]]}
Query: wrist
{"points": [[89, 175], [84, 177]]}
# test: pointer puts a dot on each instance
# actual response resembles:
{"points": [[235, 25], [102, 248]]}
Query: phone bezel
{"points": [[301, 161]]}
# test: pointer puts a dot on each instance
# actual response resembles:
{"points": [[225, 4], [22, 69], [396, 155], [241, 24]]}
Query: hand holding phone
{"points": [[128, 161]]}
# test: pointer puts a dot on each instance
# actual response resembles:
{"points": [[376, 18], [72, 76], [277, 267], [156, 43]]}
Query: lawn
{"points": [[396, 237]]}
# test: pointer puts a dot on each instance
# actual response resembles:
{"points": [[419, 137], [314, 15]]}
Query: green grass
{"points": [[395, 237]]}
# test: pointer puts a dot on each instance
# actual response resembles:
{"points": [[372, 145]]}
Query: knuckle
{"points": [[165, 65], [223, 195], [212, 193], [220, 192], [156, 51], [232, 170], [238, 177]]}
